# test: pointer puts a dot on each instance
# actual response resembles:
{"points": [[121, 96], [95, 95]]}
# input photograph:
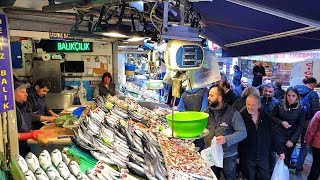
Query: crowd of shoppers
{"points": [[254, 129]]}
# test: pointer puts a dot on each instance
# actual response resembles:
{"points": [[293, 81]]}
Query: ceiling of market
{"points": [[240, 27]]}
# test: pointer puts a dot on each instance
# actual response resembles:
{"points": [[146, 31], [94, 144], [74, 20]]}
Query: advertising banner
{"points": [[6, 95]]}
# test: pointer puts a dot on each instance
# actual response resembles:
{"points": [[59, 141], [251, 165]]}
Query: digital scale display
{"points": [[191, 55]]}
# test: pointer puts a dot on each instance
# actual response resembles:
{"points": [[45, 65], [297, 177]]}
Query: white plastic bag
{"points": [[281, 171], [213, 155]]}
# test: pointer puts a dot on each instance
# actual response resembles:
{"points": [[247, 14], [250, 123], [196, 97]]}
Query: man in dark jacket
{"points": [[258, 72], [23, 118], [227, 125], [307, 91], [278, 92], [236, 76], [238, 90], [230, 97], [255, 148], [36, 104], [267, 100]]}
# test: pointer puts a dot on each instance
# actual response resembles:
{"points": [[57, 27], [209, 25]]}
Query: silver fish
{"points": [[136, 169], [117, 160], [22, 163], [71, 177], [32, 161], [40, 174], [159, 175], [135, 157], [150, 166], [91, 175], [161, 168], [58, 178], [63, 170], [104, 167], [52, 173], [45, 159], [102, 175], [137, 145], [29, 175], [99, 156], [99, 175], [74, 168], [65, 158], [56, 157], [82, 176], [150, 176]]}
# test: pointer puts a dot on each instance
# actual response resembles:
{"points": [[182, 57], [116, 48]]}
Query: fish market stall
{"points": [[119, 139], [121, 133]]}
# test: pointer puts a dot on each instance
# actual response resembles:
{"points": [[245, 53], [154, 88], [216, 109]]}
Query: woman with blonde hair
{"points": [[288, 117]]}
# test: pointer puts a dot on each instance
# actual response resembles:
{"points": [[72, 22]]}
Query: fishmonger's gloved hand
{"points": [[30, 135]]}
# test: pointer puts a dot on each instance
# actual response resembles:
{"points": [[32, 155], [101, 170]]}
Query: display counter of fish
{"points": [[143, 93], [50, 167], [182, 162], [114, 139]]}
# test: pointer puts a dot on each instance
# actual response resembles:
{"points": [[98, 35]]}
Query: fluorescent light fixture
{"points": [[138, 36], [114, 30], [114, 34]]}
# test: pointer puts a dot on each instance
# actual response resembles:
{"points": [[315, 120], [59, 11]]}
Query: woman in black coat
{"points": [[288, 117]]}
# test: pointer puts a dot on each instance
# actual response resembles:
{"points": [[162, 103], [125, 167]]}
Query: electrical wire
{"points": [[151, 14]]}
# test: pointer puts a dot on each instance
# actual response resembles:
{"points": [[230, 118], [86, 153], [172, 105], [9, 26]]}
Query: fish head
{"points": [[38, 171]]}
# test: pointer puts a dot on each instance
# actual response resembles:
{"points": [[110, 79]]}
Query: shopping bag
{"points": [[213, 155], [281, 171]]}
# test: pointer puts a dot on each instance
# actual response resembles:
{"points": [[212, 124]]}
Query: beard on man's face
{"points": [[215, 103]]}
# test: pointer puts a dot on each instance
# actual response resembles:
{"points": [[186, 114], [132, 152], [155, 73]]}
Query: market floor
{"points": [[306, 170]]}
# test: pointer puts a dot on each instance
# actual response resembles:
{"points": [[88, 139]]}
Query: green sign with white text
{"points": [[71, 46]]}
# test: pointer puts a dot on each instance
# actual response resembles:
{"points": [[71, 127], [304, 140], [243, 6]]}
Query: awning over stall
{"points": [[251, 27]]}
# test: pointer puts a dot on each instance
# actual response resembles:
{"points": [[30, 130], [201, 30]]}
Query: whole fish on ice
{"points": [[22, 163], [32, 161], [45, 159], [56, 157]]}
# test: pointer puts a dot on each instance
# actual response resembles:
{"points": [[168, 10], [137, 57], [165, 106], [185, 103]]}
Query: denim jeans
{"points": [[228, 170], [315, 168], [303, 151]]}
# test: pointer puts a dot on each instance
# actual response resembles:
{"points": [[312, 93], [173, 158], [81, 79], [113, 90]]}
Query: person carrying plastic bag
{"points": [[213, 156], [226, 123], [254, 149], [281, 171]]}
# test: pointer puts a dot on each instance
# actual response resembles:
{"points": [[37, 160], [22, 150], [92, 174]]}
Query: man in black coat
{"points": [[258, 72], [255, 148], [230, 97]]}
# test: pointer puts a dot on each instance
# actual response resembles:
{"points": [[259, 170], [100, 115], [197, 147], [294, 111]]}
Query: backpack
{"points": [[306, 104]]}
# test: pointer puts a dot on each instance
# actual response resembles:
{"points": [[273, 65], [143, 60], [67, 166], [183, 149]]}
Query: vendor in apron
{"points": [[24, 118], [36, 104]]}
